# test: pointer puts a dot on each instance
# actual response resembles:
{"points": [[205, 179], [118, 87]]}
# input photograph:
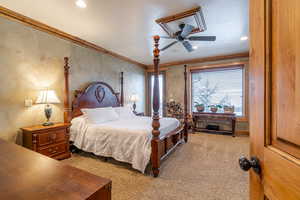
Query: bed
{"points": [[133, 139], [126, 140]]}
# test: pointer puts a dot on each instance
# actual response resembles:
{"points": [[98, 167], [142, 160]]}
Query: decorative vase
{"points": [[214, 109], [228, 109], [200, 108]]}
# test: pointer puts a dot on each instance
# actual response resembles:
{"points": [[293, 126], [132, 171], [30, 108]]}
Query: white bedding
{"points": [[127, 140]]}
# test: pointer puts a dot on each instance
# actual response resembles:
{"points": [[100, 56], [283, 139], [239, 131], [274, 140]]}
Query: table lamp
{"points": [[47, 97], [134, 98]]}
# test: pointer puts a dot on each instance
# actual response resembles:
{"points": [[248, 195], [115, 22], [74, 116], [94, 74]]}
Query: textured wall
{"points": [[31, 60], [175, 84]]}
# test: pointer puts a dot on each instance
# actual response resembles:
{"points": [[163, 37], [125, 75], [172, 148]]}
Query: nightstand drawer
{"points": [[52, 141], [53, 150], [52, 137]]}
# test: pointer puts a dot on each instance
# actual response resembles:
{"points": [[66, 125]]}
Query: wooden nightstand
{"points": [[140, 114], [51, 141]]}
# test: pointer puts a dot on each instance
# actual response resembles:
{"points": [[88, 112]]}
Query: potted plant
{"points": [[228, 109], [214, 108], [199, 106], [174, 109]]}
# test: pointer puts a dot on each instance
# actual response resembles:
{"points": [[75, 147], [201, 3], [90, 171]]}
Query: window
{"points": [[161, 93], [219, 86]]}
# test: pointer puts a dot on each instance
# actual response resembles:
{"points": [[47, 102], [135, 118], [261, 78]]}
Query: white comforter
{"points": [[126, 140]]}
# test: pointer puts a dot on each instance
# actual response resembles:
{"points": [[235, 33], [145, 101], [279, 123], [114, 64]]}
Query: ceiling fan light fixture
{"points": [[81, 3], [195, 47], [244, 38]]}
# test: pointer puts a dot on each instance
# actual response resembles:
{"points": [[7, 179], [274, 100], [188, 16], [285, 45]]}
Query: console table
{"points": [[203, 119]]}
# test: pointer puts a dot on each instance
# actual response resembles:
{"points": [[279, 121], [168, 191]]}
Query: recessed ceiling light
{"points": [[244, 38], [81, 3], [195, 47]]}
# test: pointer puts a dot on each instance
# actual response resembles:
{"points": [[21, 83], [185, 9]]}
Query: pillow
{"points": [[100, 115], [124, 112]]}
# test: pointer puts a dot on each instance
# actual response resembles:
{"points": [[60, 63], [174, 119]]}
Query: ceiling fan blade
{"points": [[169, 45], [187, 46], [167, 37], [202, 38], [187, 30]]}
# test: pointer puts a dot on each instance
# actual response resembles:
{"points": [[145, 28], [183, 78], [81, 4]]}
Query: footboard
{"points": [[162, 147], [170, 141]]}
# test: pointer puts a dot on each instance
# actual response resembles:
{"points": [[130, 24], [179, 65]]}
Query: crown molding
{"points": [[53, 31], [201, 60]]}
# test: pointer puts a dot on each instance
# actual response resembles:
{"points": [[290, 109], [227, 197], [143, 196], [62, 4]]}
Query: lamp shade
{"points": [[134, 98], [47, 97]]}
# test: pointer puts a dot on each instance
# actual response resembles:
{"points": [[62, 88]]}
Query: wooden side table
{"points": [[51, 141], [205, 117], [141, 114]]}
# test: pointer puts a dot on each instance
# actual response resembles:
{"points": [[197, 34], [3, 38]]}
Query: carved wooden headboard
{"points": [[95, 95]]}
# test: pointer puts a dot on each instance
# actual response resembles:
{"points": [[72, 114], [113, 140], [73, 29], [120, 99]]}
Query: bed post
{"points": [[122, 89], [67, 117], [155, 158], [186, 123]]}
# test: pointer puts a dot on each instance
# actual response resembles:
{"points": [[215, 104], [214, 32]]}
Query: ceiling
{"points": [[127, 27]]}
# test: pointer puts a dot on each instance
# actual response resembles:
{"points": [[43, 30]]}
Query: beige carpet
{"points": [[204, 169]]}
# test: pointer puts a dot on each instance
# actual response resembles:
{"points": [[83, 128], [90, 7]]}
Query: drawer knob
{"points": [[53, 136]]}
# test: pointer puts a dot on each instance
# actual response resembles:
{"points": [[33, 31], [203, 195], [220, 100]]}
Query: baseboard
{"points": [[242, 132]]}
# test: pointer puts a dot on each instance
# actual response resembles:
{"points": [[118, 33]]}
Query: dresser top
{"points": [[41, 127], [214, 114], [25, 174]]}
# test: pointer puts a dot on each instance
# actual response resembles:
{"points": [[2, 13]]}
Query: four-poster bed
{"points": [[166, 133]]}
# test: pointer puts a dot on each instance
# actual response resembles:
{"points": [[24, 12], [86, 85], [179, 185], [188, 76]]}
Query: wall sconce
{"points": [[28, 103]]}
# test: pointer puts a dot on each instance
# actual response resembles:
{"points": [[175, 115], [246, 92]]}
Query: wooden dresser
{"points": [[29, 175], [52, 141]]}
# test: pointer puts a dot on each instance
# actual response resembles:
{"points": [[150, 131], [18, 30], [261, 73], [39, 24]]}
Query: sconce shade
{"points": [[47, 97], [134, 98]]}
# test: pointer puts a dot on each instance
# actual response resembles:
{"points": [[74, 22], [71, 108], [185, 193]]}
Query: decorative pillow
{"points": [[100, 115], [124, 112]]}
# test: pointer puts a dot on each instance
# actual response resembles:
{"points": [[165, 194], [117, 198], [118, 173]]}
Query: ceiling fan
{"points": [[182, 36]]}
